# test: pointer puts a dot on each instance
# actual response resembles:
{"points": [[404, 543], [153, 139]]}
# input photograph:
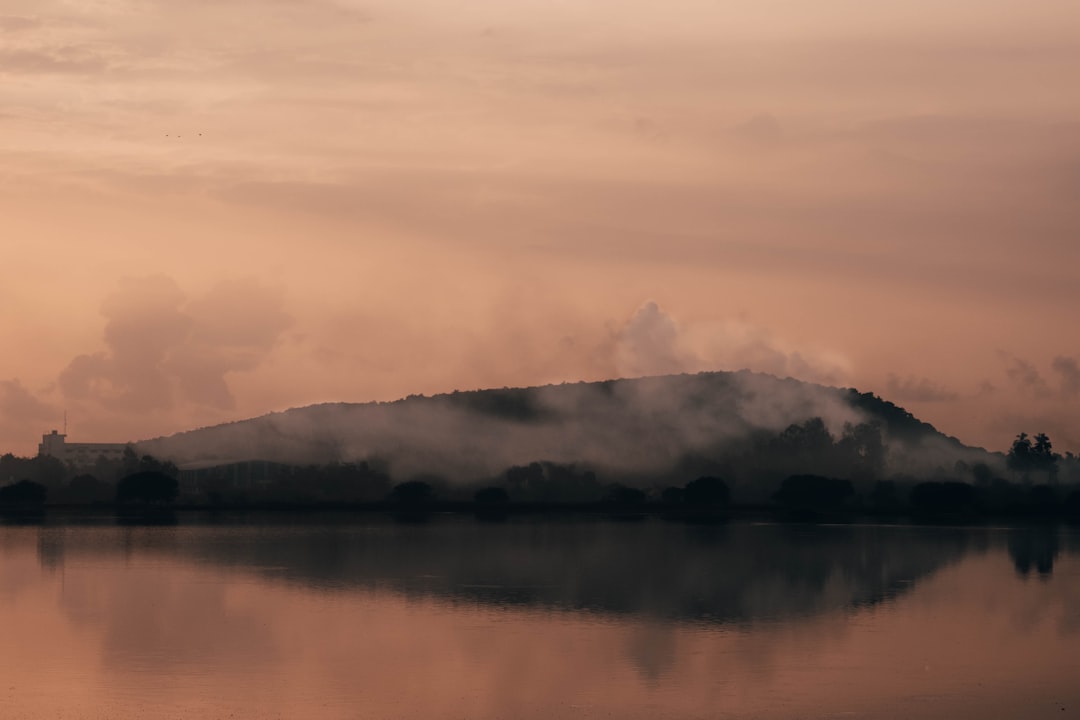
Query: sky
{"points": [[214, 209]]}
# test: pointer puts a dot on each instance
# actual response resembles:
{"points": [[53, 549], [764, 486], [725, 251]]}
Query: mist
{"points": [[644, 431]]}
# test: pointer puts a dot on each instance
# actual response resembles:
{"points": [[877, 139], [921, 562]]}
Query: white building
{"points": [[55, 445]]}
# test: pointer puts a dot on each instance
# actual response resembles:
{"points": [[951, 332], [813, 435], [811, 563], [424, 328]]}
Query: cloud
{"points": [[19, 405], [1069, 370], [164, 348], [762, 129], [21, 409], [917, 390], [67, 61], [1030, 400], [649, 344], [14, 23], [1025, 376], [653, 343]]}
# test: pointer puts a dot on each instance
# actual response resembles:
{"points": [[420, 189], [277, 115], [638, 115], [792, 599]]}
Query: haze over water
{"points": [[537, 619]]}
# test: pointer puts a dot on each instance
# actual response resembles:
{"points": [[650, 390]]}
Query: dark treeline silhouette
{"points": [[23, 494], [802, 472], [806, 496], [147, 487]]}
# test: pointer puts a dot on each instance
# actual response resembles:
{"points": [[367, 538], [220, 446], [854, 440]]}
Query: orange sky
{"points": [[211, 210]]}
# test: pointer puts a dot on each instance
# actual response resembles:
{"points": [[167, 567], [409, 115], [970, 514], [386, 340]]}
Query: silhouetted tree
{"points": [[949, 497], [346, 482], [1001, 496], [553, 482], [412, 493], [1071, 506], [25, 493], [12, 467], [706, 491], [86, 488], [884, 496], [107, 470], [1043, 499], [982, 473], [622, 495], [49, 471], [809, 443], [673, 495], [862, 450], [150, 487], [129, 462], [149, 463], [813, 493], [491, 496], [1026, 457], [523, 479], [491, 504], [1044, 457]]}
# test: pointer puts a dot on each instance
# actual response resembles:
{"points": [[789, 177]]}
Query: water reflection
{"points": [[537, 620], [712, 574], [1034, 548]]}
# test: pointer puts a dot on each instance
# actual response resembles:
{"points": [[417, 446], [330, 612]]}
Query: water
{"points": [[366, 618]]}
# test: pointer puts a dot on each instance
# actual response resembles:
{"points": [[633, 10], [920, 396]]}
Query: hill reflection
{"points": [[708, 574]]}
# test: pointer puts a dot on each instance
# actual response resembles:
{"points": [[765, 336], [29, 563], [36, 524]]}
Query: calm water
{"points": [[537, 619]]}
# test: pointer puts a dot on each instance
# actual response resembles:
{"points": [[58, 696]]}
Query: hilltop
{"points": [[743, 425]]}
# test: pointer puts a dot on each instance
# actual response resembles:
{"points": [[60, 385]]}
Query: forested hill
{"points": [[744, 425]]}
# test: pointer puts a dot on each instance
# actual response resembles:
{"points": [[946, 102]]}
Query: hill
{"points": [[746, 426]]}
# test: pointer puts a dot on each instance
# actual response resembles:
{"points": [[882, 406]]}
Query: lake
{"points": [[363, 617]]}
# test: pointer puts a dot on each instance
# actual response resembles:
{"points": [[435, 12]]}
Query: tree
{"points": [[1019, 457], [622, 495], [25, 493], [1026, 456], [982, 473], [706, 490], [48, 471], [673, 495], [813, 493], [884, 496], [809, 442], [944, 497], [129, 463], [86, 489], [525, 478], [491, 496], [1042, 499], [1071, 506], [862, 450], [150, 487], [491, 503], [1044, 458], [412, 492]]}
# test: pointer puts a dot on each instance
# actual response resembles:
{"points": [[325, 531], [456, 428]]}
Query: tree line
{"points": [[859, 485]]}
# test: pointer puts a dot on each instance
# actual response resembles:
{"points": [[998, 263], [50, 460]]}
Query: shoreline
{"points": [[181, 514]]}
